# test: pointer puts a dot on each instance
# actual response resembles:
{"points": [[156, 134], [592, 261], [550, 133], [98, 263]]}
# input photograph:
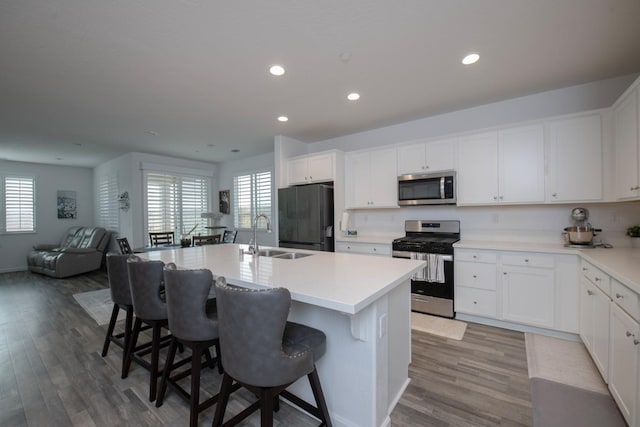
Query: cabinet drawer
{"points": [[475, 256], [626, 299], [475, 275], [596, 276], [475, 301], [528, 260], [368, 249]]}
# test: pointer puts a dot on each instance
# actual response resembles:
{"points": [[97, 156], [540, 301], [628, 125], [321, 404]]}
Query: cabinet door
{"points": [[297, 171], [625, 119], [439, 155], [624, 361], [575, 159], [478, 169], [521, 162], [411, 159], [528, 295], [384, 179], [357, 181], [586, 314], [320, 168], [600, 330]]}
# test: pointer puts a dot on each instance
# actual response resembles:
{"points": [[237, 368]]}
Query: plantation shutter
{"points": [[195, 201], [108, 215], [252, 196], [162, 202], [19, 204]]}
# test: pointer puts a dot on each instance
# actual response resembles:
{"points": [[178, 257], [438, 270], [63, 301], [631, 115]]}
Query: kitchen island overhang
{"points": [[361, 303]]}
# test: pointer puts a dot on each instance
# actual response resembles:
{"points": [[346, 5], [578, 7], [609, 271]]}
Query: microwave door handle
{"points": [[442, 187]]}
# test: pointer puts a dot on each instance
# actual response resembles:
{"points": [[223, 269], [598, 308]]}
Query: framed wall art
{"points": [[67, 205], [225, 202]]}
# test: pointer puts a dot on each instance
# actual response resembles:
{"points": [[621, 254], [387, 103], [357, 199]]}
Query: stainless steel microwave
{"points": [[437, 188]]}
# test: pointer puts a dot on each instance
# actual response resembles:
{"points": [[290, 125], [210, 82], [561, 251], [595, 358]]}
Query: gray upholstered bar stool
{"points": [[121, 297], [193, 321], [146, 281], [264, 353]]}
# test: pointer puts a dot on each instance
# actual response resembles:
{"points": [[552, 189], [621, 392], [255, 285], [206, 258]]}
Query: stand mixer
{"points": [[580, 235]]}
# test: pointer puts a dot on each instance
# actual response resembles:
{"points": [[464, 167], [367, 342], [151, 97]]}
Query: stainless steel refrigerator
{"points": [[305, 217]]}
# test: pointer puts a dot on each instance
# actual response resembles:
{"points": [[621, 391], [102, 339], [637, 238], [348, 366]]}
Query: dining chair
{"points": [[205, 240], [265, 353], [123, 244], [229, 236], [162, 238]]}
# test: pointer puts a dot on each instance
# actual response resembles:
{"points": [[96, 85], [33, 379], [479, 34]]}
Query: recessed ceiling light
{"points": [[211, 145], [151, 132], [235, 150], [283, 119], [472, 58], [59, 158], [277, 70], [77, 144], [353, 96]]}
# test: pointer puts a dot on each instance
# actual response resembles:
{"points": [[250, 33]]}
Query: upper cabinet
{"points": [[371, 179], [310, 169], [426, 157], [501, 167], [626, 140], [575, 159]]}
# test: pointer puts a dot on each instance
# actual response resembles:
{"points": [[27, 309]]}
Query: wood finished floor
{"points": [[52, 374]]}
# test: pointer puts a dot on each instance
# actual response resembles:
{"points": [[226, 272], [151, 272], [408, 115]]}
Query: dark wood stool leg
{"points": [[112, 324], [127, 336], [314, 381], [266, 408], [155, 356], [223, 399], [167, 371], [134, 340], [196, 361], [219, 357]]}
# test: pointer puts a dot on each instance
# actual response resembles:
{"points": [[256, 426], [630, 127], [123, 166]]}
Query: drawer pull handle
{"points": [[475, 277], [636, 342], [619, 296], [475, 302], [597, 279], [589, 292], [504, 272], [585, 269], [629, 334], [526, 260], [475, 256]]}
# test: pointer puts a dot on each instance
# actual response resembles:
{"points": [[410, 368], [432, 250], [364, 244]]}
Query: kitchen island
{"points": [[361, 303]]}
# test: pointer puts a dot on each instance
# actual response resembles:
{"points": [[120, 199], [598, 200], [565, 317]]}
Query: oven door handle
{"points": [[407, 255]]}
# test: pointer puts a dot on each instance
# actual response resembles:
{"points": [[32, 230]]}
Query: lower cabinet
{"points": [[519, 287], [594, 324], [379, 249], [623, 378]]}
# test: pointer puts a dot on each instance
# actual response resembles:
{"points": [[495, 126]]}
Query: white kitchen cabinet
{"points": [[575, 159], [594, 324], [528, 289], [626, 142], [475, 283], [426, 157], [311, 169], [623, 378], [364, 248], [371, 179], [502, 167]]}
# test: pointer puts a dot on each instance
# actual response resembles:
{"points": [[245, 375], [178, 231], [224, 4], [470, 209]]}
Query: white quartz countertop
{"points": [[623, 264], [337, 281]]}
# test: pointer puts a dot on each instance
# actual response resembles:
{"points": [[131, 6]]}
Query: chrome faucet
{"points": [[254, 249]]}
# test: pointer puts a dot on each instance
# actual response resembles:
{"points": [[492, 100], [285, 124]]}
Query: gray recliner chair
{"points": [[81, 250]]}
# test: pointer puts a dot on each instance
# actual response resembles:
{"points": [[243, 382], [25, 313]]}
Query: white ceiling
{"points": [[84, 81]]}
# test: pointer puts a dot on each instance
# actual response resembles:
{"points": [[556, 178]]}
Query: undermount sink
{"points": [[270, 252], [292, 255]]}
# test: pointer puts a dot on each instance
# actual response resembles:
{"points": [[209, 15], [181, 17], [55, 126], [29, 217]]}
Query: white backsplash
{"points": [[536, 224]]}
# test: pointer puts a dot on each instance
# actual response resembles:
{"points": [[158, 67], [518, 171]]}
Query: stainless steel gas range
{"points": [[431, 241]]}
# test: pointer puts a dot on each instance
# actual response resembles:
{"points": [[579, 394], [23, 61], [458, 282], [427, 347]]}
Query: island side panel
{"points": [[362, 376]]}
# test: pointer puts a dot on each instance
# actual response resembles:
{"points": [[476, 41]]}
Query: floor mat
{"points": [[442, 327], [98, 305]]}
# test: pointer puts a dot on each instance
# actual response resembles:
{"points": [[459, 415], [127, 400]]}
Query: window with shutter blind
{"points": [[18, 204], [108, 205], [175, 202], [252, 196]]}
